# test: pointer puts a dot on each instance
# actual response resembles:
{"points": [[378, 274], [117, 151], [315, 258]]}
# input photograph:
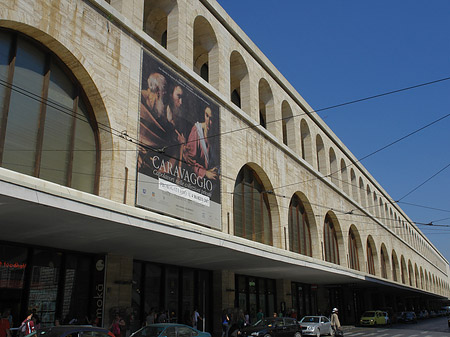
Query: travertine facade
{"points": [[294, 154]]}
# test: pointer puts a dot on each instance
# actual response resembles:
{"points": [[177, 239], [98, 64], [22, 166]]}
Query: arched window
{"points": [[287, 123], [306, 144], [404, 271], [362, 193], [370, 258], [251, 208], [206, 51], [330, 241], [334, 167], [344, 177], [47, 127], [239, 82], [353, 251], [159, 19], [320, 151], [410, 273], [266, 107], [299, 231], [384, 261], [394, 267], [353, 185]]}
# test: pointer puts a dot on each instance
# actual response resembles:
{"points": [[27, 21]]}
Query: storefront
{"points": [[253, 293], [171, 293], [53, 284], [304, 299]]}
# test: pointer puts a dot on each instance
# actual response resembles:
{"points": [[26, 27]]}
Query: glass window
{"points": [[93, 334], [251, 209], [330, 241], [46, 129], [44, 285], [13, 262], [152, 287], [19, 152], [77, 278], [353, 251], [370, 260], [58, 117], [299, 233], [169, 332], [5, 44], [184, 331]]}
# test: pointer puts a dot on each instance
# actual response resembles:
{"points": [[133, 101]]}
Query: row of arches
{"points": [[255, 209], [161, 21]]}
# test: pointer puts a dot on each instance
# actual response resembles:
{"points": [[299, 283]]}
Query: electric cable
{"points": [[427, 180]]}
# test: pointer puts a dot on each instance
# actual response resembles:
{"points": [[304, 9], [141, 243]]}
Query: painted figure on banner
{"points": [[198, 153]]}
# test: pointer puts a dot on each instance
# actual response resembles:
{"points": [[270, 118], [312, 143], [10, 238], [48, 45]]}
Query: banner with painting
{"points": [[179, 147]]}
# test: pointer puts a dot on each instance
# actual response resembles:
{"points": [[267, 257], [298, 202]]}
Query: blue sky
{"points": [[335, 51]]}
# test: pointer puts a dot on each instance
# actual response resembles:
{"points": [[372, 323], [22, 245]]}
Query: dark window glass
{"points": [[77, 278], [235, 98], [353, 251], [46, 129], [164, 39], [251, 209], [370, 260], [19, 152], [330, 242], [204, 72], [44, 285], [299, 233], [13, 261], [136, 290], [152, 287]]}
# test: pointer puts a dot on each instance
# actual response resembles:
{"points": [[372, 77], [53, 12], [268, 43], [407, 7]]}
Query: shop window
{"points": [[47, 127], [76, 287], [13, 262], [43, 293], [251, 208]]}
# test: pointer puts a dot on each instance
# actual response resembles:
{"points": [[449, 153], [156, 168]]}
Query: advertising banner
{"points": [[179, 147]]}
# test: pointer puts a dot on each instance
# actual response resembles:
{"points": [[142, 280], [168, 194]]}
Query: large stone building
{"points": [[152, 158]]}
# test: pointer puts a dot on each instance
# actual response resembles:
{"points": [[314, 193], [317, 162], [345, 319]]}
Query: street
{"points": [[433, 327]]}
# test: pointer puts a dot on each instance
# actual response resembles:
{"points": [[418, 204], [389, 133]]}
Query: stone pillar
{"points": [[224, 296], [284, 296], [119, 276]]}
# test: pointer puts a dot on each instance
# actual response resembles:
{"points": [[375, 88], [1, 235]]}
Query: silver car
{"points": [[316, 326]]}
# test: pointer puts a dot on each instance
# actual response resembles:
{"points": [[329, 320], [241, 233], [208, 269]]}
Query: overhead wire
{"points": [[124, 135]]}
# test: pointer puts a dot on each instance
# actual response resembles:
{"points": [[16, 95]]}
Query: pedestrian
{"points": [[150, 319], [195, 317], [259, 315], [335, 324], [28, 325], [117, 324], [4, 325], [225, 324]]}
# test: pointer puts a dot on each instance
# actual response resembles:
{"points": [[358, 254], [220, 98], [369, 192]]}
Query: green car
{"points": [[375, 317]]}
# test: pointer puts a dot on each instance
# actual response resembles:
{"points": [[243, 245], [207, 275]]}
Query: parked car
{"points": [[373, 317], [408, 317], [72, 331], [273, 327], [448, 320], [422, 314], [316, 326], [169, 330]]}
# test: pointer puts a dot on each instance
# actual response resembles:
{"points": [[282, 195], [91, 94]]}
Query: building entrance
{"points": [[171, 294]]}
